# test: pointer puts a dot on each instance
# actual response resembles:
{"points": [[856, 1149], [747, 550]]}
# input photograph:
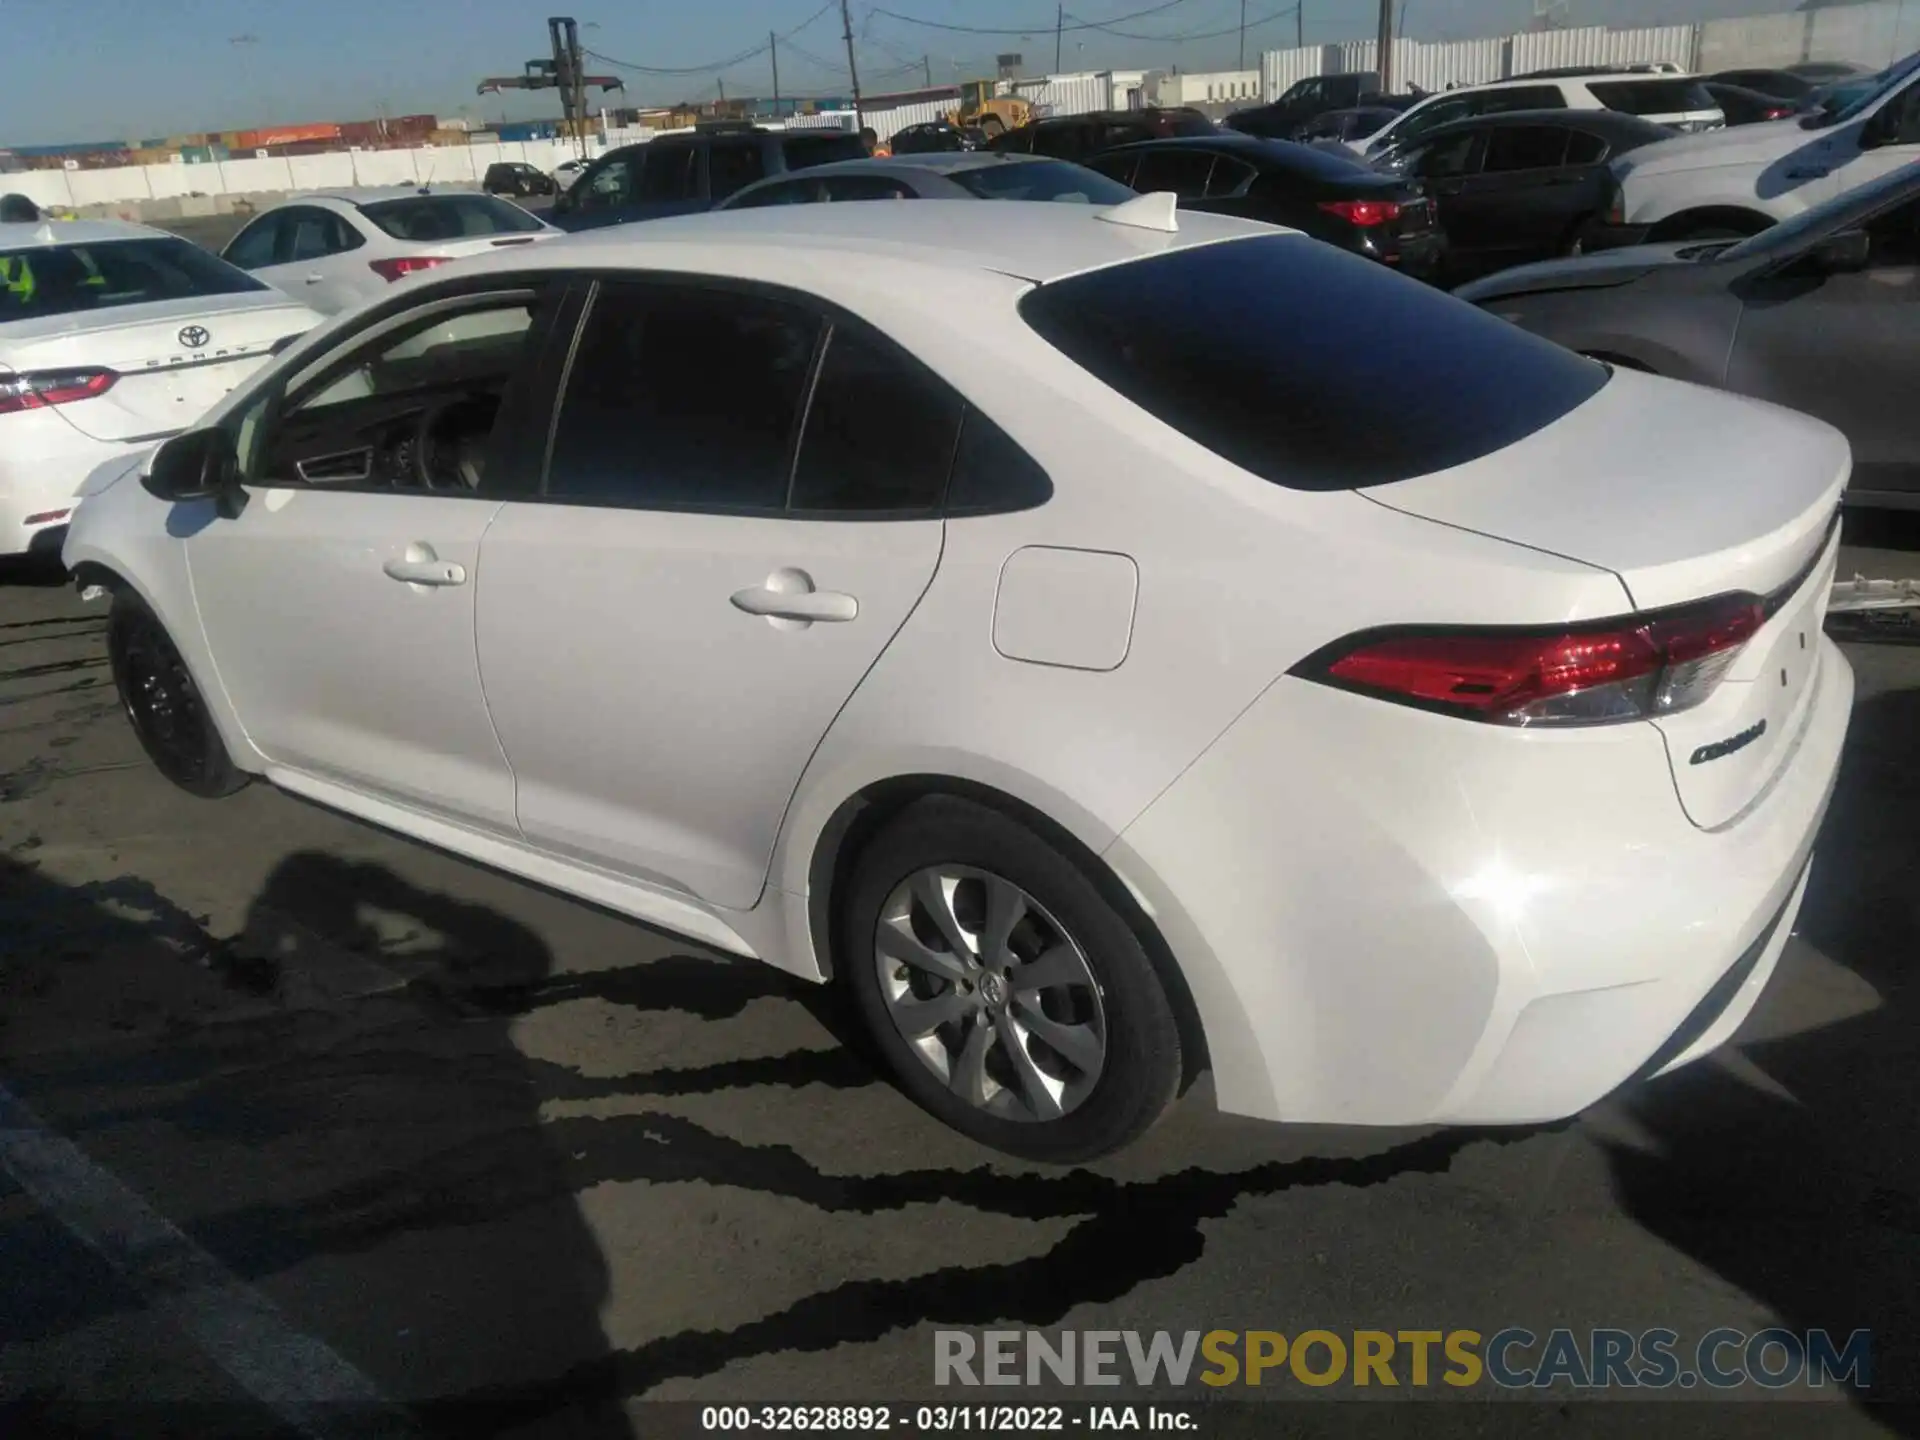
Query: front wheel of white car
{"points": [[164, 705], [1008, 996]]}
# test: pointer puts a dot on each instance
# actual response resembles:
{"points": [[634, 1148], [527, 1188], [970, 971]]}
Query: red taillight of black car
{"points": [[1365, 213], [1638, 667]]}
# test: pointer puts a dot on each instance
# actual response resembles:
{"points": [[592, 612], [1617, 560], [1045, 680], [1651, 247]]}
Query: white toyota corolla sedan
{"points": [[1109, 650], [112, 337]]}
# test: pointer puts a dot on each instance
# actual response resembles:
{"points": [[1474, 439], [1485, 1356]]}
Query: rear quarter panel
{"points": [[1683, 334]]}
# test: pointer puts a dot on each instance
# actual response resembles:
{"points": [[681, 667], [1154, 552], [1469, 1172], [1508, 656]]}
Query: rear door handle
{"points": [[809, 605], [315, 278], [415, 570]]}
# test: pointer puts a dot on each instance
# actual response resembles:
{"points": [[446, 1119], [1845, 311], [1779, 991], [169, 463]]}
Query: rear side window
{"points": [[1584, 149], [731, 168], [1525, 147], [72, 279], [880, 431], [670, 174], [1292, 359], [801, 151], [1522, 97], [991, 474], [683, 398], [1042, 180], [1652, 97]]}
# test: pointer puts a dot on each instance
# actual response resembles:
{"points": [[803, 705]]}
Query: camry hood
{"points": [[1735, 145], [1584, 272]]}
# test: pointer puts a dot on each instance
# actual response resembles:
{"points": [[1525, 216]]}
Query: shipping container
{"points": [[270, 135], [70, 149], [520, 130]]}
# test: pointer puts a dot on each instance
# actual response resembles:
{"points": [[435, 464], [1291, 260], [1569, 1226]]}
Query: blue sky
{"points": [[126, 69]]}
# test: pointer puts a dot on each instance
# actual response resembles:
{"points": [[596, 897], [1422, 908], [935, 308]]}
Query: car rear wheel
{"points": [[164, 705], [1010, 999]]}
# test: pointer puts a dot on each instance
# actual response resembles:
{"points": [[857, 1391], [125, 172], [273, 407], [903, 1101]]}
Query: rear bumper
{"points": [[1393, 918], [44, 462]]}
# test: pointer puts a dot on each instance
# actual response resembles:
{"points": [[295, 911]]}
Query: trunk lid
{"points": [[484, 244], [175, 359], [1685, 493]]}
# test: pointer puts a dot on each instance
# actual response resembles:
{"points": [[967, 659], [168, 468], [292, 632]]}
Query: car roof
{"points": [[39, 234], [1258, 150], [369, 196], [943, 162], [1598, 121], [795, 244]]}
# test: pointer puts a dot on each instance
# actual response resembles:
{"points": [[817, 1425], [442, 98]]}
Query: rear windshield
{"points": [[1652, 97], [802, 151], [1310, 367], [448, 217], [1041, 180], [65, 279]]}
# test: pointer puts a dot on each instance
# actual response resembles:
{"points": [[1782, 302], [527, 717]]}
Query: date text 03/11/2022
{"points": [[945, 1419]]}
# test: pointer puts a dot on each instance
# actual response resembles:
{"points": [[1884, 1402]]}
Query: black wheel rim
{"points": [[163, 704]]}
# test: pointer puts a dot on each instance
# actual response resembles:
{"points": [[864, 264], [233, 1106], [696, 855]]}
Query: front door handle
{"points": [[789, 600], [315, 278], [420, 566]]}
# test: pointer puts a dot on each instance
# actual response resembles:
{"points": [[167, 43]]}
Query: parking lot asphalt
{"points": [[297, 1108]]}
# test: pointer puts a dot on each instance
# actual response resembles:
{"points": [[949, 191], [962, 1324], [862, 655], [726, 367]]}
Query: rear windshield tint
{"points": [[802, 151], [1307, 366], [1041, 180], [1652, 97], [68, 279], [448, 217]]}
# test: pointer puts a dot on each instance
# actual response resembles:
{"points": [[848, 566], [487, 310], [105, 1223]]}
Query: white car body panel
{"points": [[1777, 169], [1573, 91], [164, 385], [1518, 918]]}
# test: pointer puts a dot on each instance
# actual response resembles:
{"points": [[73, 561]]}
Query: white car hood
{"points": [[1736, 145]]}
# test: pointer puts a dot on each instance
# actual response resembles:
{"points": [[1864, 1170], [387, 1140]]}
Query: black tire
{"points": [[164, 705], [1141, 1069]]}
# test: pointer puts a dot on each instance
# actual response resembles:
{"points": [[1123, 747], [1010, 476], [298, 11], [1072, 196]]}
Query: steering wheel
{"points": [[449, 443]]}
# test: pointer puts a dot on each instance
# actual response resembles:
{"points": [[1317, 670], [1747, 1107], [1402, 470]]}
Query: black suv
{"points": [[516, 177], [683, 173], [1073, 137], [1306, 99]]}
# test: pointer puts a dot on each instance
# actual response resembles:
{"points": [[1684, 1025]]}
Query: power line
{"points": [[1023, 29], [711, 67], [1195, 35]]}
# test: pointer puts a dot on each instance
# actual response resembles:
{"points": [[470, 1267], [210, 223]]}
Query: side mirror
{"points": [[1844, 253], [198, 465], [565, 200]]}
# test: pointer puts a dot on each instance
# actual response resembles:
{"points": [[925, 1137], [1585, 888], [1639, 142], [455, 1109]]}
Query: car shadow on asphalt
{"points": [[1805, 1192]]}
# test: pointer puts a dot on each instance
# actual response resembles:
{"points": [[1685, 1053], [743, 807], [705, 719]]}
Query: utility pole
{"points": [[853, 70], [1243, 36], [773, 49], [1300, 25], [926, 64], [1383, 60], [1059, 24]]}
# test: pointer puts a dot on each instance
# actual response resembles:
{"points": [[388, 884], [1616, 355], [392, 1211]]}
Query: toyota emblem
{"points": [[194, 337]]}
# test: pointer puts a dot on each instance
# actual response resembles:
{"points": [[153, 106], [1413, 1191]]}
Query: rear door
{"points": [[1845, 348], [312, 246], [1520, 204], [733, 165], [668, 631]]}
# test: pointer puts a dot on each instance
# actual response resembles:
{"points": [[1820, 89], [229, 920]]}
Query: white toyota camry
{"points": [[1109, 650], [112, 337]]}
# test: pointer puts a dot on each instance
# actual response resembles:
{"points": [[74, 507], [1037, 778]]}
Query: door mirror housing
{"points": [[196, 465], [565, 200], [1842, 254]]}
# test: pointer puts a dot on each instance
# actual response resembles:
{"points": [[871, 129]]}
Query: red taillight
{"points": [[405, 265], [1363, 212], [1634, 668], [37, 389], [1779, 112]]}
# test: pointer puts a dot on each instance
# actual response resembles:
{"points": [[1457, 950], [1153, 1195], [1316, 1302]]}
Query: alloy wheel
{"points": [[991, 993]]}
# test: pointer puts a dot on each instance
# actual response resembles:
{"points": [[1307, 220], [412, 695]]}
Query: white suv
{"points": [[1680, 102], [1739, 181]]}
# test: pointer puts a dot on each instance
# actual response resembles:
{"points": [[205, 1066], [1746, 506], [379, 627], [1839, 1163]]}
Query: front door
{"points": [[1521, 204], [312, 248], [1845, 348], [668, 631], [339, 602]]}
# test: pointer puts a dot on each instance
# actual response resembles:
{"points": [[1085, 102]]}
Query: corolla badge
{"points": [[195, 337], [1720, 749]]}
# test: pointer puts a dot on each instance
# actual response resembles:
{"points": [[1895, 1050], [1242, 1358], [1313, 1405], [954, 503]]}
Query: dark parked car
{"points": [[680, 174], [1827, 72], [1781, 84], [1820, 313], [515, 177], [1344, 125], [1748, 107], [967, 175], [1521, 186], [1333, 197], [1303, 100], [935, 137], [1074, 137]]}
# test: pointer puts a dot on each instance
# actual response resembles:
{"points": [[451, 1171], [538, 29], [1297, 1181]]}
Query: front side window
{"points": [[801, 152], [610, 186], [671, 174], [1448, 157], [1041, 180], [682, 397], [880, 430], [731, 168], [1288, 357], [71, 279], [1431, 117]]}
